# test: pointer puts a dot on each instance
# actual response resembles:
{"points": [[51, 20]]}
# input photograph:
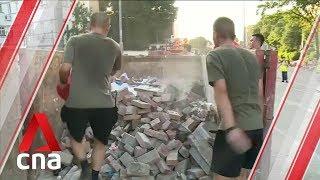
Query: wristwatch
{"points": [[230, 129]]}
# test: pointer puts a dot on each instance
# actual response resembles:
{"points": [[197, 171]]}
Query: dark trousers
{"points": [[284, 76]]}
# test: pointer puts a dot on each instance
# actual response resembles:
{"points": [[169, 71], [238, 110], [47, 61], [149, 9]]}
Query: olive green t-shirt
{"points": [[93, 57], [241, 71]]}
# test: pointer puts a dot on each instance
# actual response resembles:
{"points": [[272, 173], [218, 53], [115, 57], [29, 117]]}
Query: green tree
{"points": [[144, 22], [79, 23], [303, 11], [284, 31]]}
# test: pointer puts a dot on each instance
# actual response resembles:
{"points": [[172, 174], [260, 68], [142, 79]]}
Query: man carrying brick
{"points": [[235, 75], [93, 58]]}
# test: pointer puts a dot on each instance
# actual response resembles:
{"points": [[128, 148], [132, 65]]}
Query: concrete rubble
{"points": [[157, 136]]}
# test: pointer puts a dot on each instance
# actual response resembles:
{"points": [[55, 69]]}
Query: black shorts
{"points": [[227, 162], [101, 121]]}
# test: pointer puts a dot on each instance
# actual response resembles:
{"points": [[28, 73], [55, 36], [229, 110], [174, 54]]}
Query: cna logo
{"points": [[39, 120]]}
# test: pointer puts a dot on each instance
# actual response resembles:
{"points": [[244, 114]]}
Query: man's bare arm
{"points": [[64, 72], [224, 104]]}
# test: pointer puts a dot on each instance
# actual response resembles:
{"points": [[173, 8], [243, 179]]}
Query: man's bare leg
{"points": [[78, 149], [219, 177], [97, 157], [244, 174]]}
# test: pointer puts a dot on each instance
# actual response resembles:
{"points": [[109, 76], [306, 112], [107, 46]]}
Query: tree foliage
{"points": [[144, 22], [289, 26], [79, 21]]}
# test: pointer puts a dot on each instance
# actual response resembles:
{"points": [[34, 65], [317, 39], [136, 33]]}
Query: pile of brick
{"points": [[157, 137]]}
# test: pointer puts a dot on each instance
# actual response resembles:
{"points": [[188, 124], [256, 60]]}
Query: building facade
{"points": [[8, 11]]}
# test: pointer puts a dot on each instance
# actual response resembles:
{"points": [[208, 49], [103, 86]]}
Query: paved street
{"points": [[293, 120]]}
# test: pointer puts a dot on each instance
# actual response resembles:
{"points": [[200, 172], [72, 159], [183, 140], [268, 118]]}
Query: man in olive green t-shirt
{"points": [[92, 58], [235, 75]]}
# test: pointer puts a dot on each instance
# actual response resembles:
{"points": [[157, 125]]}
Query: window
{"points": [[1, 8], [2, 31]]}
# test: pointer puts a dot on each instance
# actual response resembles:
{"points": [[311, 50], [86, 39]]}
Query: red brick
{"points": [[156, 134], [155, 124], [140, 104], [174, 115], [172, 158], [131, 117]]}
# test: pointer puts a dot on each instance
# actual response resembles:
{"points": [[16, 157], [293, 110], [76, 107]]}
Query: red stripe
{"points": [[16, 34], [306, 148], [284, 99], [26, 110]]}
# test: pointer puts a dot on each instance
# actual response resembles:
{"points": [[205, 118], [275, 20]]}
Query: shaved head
{"points": [[100, 19], [224, 28]]}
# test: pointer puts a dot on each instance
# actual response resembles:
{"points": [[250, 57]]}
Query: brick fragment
{"points": [[149, 157], [131, 110], [190, 124], [174, 144], [166, 97], [131, 117], [122, 109], [126, 159], [140, 104], [145, 120], [196, 172], [205, 178], [184, 152], [144, 93], [171, 176], [163, 150], [149, 100], [138, 151], [114, 163], [143, 140], [89, 133], [187, 110], [182, 166], [144, 111], [156, 99], [171, 134], [128, 139], [172, 158], [128, 148], [156, 134], [145, 126], [154, 169], [174, 115], [155, 124], [163, 167], [138, 169], [141, 178], [166, 125], [200, 160]]}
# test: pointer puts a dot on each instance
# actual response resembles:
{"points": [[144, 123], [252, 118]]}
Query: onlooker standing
{"points": [[256, 41], [93, 58], [284, 71], [236, 77]]}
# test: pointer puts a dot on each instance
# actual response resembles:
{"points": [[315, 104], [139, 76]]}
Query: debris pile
{"points": [[157, 136]]}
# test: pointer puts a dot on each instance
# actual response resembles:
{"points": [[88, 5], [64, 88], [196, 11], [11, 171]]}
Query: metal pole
{"points": [[244, 25], [120, 26]]}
